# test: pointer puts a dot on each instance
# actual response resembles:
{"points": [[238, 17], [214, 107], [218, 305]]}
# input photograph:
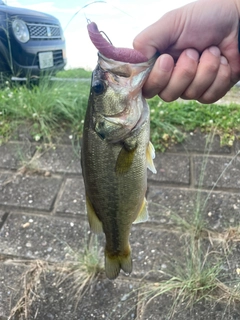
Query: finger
{"points": [[220, 86], [160, 35], [206, 73], [231, 53], [182, 75], [159, 76]]}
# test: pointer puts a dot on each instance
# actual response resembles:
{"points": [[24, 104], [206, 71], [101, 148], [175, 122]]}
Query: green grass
{"points": [[48, 109], [74, 73], [54, 106], [170, 120]]}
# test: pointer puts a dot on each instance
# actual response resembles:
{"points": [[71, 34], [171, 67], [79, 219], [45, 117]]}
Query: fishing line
{"points": [[93, 2]]}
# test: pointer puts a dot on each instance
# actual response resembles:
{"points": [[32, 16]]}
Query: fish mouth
{"points": [[124, 81], [146, 63]]}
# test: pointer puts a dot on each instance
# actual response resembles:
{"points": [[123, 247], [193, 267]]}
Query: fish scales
{"points": [[115, 154], [113, 195]]}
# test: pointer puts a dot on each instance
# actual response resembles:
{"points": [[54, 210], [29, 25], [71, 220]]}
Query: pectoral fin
{"points": [[94, 222], [124, 160], [150, 157], [143, 213]]}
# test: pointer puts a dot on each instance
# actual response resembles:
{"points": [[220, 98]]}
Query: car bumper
{"points": [[26, 60]]}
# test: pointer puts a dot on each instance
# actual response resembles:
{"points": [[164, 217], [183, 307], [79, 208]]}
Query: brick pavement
{"points": [[43, 225]]}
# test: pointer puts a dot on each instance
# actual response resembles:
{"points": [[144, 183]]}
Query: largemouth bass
{"points": [[116, 153]]}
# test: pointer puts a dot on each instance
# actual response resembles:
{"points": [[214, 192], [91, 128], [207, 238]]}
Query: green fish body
{"points": [[116, 153]]}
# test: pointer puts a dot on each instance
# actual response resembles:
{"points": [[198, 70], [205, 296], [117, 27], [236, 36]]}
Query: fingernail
{"points": [[223, 60], [193, 54], [215, 51], [165, 63]]}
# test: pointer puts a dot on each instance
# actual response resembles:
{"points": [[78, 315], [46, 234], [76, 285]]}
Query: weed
{"points": [[198, 277], [49, 108], [170, 120], [200, 273], [30, 280], [5, 130], [76, 277], [54, 106], [80, 276]]}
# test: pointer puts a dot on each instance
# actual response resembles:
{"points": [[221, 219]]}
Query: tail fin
{"points": [[114, 263]]}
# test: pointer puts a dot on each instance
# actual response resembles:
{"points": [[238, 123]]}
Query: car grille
{"points": [[40, 31], [57, 57]]}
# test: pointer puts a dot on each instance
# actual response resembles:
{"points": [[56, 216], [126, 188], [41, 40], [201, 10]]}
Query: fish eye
{"points": [[98, 87]]}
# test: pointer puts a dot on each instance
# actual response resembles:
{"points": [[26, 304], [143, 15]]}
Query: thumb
{"points": [[160, 35]]}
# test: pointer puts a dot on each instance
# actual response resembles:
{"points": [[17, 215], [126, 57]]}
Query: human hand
{"points": [[202, 38]]}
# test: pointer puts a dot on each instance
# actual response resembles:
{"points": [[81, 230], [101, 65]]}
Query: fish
{"points": [[116, 152]]}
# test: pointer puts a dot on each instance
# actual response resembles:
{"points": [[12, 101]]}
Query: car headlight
{"points": [[20, 30]]}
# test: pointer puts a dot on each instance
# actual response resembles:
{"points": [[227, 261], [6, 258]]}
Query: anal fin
{"points": [[143, 213], [94, 222], [150, 156]]}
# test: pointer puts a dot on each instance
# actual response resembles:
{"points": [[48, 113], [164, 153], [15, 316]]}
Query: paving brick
{"points": [[1, 216], [201, 143], [60, 159], [14, 155], [154, 251], [237, 146], [105, 300], [38, 237], [72, 200], [166, 306], [162, 307], [218, 210], [223, 172], [158, 246], [28, 191], [171, 171]]}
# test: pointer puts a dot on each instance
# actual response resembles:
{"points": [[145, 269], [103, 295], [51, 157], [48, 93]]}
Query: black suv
{"points": [[31, 42]]}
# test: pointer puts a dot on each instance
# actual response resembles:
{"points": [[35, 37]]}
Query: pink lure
{"points": [[111, 52]]}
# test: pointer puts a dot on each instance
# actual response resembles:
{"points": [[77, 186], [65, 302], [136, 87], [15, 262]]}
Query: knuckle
{"points": [[225, 75], [207, 99], [212, 68], [189, 94], [212, 96], [188, 73], [168, 97]]}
